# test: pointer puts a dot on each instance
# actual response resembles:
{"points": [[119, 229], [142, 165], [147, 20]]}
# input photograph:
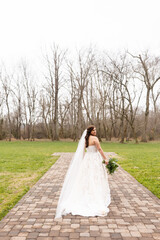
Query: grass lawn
{"points": [[141, 160], [22, 163]]}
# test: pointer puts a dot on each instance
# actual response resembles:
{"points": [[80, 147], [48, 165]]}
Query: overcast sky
{"points": [[27, 26]]}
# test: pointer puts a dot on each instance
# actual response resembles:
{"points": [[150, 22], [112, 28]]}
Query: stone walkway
{"points": [[134, 211]]}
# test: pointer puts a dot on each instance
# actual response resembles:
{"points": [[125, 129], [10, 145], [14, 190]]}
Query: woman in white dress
{"points": [[86, 189]]}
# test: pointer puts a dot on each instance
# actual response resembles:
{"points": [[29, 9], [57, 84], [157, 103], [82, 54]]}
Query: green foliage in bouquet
{"points": [[112, 165]]}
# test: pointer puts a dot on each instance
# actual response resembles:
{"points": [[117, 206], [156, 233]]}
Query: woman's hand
{"points": [[106, 161]]}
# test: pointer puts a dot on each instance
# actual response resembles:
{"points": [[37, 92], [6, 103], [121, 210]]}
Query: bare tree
{"points": [[31, 97], [17, 92], [72, 118], [45, 105], [55, 81], [103, 86], [155, 97], [1, 108], [116, 71], [79, 81], [6, 83], [85, 70], [147, 70], [63, 110]]}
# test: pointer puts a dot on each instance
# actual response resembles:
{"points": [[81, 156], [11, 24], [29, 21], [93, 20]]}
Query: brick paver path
{"points": [[134, 211]]}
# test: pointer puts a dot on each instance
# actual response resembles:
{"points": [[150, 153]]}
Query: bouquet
{"points": [[111, 165]]}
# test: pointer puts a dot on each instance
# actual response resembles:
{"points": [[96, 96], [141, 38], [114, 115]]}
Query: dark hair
{"points": [[89, 130]]}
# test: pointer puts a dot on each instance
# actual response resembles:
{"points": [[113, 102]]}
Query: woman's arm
{"points": [[97, 143]]}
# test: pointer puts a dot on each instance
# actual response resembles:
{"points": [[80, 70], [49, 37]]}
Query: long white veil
{"points": [[71, 175]]}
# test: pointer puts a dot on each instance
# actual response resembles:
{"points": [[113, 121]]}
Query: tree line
{"points": [[118, 93]]}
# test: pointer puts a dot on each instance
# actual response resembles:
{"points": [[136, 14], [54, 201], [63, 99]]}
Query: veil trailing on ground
{"points": [[71, 175]]}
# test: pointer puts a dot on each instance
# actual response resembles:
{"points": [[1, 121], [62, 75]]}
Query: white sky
{"points": [[27, 26]]}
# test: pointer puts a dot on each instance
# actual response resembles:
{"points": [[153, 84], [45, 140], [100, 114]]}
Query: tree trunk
{"points": [[56, 137], [144, 134], [98, 127]]}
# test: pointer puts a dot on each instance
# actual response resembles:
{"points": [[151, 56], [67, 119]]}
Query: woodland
{"points": [[117, 92]]}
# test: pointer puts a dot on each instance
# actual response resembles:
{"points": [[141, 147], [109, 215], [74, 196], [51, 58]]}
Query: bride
{"points": [[85, 188]]}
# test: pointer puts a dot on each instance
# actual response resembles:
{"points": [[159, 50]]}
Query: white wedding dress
{"points": [[90, 192]]}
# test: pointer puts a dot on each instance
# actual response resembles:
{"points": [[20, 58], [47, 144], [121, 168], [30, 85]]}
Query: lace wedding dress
{"points": [[90, 192]]}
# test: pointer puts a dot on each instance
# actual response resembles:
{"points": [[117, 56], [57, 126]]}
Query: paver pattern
{"points": [[134, 211]]}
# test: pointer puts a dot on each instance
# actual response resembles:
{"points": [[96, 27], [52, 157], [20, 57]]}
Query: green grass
{"points": [[141, 160], [22, 163]]}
